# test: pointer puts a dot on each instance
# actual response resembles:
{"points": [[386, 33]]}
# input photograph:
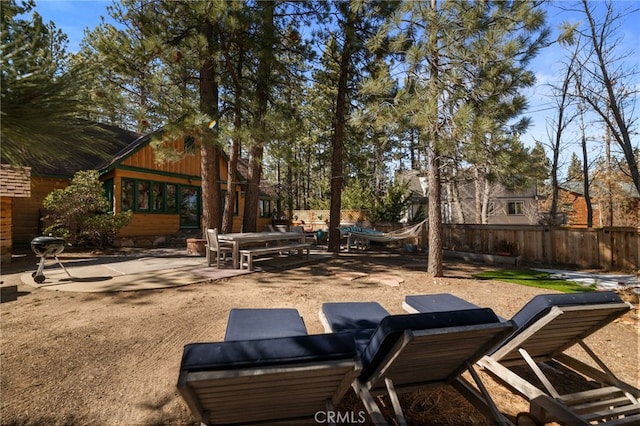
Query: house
{"points": [[48, 174], [618, 207], [506, 207], [164, 196]]}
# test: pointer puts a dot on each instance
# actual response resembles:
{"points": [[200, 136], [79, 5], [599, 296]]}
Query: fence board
{"points": [[615, 249]]}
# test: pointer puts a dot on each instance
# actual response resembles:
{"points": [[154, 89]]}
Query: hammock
{"points": [[378, 236]]}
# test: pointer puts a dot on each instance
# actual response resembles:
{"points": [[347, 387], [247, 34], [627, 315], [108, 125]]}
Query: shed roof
{"points": [[15, 181]]}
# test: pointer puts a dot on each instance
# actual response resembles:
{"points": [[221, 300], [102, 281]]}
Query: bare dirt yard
{"points": [[113, 358]]}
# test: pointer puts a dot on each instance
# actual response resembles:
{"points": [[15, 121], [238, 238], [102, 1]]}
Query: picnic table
{"points": [[239, 239]]}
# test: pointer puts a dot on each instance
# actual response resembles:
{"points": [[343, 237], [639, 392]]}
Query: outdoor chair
{"points": [[309, 237], [267, 369], [410, 352], [215, 248], [532, 360]]}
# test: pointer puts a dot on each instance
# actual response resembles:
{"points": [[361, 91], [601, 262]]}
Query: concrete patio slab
{"points": [[163, 269]]}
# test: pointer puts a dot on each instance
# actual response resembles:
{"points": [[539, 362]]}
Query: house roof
{"points": [[577, 187], [113, 139]]}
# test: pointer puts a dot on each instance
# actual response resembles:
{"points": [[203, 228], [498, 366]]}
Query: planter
{"points": [[196, 246], [482, 257]]}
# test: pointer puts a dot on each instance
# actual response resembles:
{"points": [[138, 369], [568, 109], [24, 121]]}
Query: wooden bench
{"points": [[247, 255]]}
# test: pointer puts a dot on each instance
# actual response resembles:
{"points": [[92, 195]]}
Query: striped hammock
{"points": [[397, 235]]}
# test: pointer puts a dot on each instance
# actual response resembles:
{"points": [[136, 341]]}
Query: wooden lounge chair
{"points": [[408, 352], [268, 369], [529, 359]]}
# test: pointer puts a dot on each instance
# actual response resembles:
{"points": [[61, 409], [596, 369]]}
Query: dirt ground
{"points": [[113, 358]]}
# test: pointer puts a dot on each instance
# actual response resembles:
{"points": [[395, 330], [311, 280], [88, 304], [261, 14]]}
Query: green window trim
{"points": [[160, 198]]}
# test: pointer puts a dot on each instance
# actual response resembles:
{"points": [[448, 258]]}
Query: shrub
{"points": [[80, 211]]}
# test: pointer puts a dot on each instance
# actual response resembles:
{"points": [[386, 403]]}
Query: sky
{"points": [[73, 17]]}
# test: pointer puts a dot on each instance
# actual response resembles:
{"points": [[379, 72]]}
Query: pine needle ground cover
{"points": [[532, 278]]}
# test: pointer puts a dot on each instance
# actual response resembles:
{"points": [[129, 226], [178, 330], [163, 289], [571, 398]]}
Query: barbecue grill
{"points": [[45, 247]]}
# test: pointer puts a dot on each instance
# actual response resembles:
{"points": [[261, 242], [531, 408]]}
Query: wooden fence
{"points": [[611, 249]]}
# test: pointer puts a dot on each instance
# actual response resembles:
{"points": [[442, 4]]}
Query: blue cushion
{"points": [[266, 352], [438, 303], [353, 315], [359, 318], [392, 327], [540, 305], [247, 324]]}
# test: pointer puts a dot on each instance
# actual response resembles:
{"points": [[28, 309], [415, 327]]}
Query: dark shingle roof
{"points": [[113, 139]]}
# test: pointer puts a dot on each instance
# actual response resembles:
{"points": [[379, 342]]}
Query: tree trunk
{"points": [[209, 153], [337, 141], [263, 84], [434, 261]]}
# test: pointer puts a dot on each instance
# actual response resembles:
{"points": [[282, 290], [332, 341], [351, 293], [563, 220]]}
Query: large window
{"points": [[515, 208], [148, 196]]}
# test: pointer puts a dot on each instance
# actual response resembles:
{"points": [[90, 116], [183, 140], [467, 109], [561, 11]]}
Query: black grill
{"points": [[45, 247]]}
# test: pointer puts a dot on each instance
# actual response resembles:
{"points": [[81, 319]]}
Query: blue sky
{"points": [[73, 17]]}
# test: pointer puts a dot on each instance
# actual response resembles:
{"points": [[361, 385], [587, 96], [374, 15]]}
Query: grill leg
{"points": [[62, 266], [38, 276]]}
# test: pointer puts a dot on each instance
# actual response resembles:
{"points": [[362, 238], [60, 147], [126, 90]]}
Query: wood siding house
{"points": [[164, 196], [48, 174]]}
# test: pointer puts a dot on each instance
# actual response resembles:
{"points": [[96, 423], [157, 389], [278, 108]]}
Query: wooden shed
{"points": [[15, 183]]}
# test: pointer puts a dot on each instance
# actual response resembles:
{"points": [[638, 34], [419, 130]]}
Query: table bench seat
{"points": [[247, 255]]}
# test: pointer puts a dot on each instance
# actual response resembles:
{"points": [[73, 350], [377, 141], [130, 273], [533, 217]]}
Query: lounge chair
{"points": [[268, 369], [408, 352], [545, 328]]}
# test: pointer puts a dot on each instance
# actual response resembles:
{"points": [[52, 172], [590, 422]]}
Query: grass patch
{"points": [[534, 279]]}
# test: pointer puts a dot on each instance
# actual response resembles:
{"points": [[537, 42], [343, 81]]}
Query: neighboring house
{"points": [[506, 207], [165, 197], [621, 209], [15, 183]]}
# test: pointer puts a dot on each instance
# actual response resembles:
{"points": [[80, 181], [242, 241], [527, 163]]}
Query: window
{"points": [[236, 207], [143, 195], [515, 208], [189, 145], [128, 195], [189, 206], [172, 198], [157, 197], [265, 208]]}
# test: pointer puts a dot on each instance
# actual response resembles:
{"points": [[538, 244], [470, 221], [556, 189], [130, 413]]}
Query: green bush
{"points": [[80, 211]]}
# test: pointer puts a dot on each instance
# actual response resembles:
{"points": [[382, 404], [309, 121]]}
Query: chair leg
{"points": [[218, 259]]}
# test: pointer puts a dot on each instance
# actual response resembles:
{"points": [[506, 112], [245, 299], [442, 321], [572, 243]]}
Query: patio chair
{"points": [[215, 248], [409, 352], [529, 360], [268, 369]]}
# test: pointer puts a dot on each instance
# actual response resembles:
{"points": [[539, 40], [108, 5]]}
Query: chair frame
{"points": [[432, 348], [545, 340], [214, 246], [264, 385]]}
